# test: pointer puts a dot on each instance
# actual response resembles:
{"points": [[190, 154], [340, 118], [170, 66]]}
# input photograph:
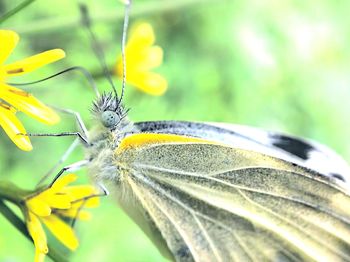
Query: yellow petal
{"points": [[41, 203], [79, 192], [141, 60], [47, 193], [148, 82], [59, 201], [8, 41], [141, 35], [34, 62], [63, 181], [37, 233], [146, 59], [75, 213], [56, 196], [63, 232], [88, 203], [38, 206], [39, 256], [12, 126], [28, 104]]}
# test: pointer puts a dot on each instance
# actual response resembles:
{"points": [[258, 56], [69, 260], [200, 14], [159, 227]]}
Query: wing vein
{"points": [[211, 244], [180, 203], [318, 240], [248, 189], [243, 246], [177, 227]]}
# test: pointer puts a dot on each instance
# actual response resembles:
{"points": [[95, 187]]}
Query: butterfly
{"points": [[222, 192]]}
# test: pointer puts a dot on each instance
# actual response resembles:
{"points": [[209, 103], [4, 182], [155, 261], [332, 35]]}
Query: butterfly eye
{"points": [[110, 118]]}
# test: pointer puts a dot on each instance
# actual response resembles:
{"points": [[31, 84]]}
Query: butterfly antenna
{"points": [[125, 29], [85, 72], [86, 21]]}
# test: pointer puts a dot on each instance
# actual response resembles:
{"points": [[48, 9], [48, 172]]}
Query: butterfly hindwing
{"points": [[212, 202]]}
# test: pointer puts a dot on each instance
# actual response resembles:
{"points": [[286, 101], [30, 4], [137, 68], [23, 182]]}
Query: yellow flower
{"points": [[13, 99], [142, 56], [49, 206]]}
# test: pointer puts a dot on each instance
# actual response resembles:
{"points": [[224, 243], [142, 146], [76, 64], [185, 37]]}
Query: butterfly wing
{"points": [[303, 152], [210, 202]]}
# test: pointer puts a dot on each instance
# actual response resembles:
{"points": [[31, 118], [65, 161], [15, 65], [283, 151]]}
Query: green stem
{"points": [[15, 10], [64, 23], [13, 218], [11, 192]]}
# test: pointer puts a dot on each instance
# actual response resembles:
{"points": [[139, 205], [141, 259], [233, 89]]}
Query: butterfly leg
{"points": [[72, 167], [63, 158], [82, 135], [104, 192], [77, 116], [71, 148], [78, 134]]}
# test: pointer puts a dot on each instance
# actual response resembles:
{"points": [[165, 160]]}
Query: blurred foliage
{"points": [[275, 64]]}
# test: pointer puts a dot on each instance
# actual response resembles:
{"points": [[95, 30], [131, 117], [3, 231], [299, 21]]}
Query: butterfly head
{"points": [[109, 111]]}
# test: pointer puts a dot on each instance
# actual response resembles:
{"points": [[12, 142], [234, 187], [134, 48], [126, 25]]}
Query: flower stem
{"points": [[15, 10], [12, 193], [64, 23], [13, 218]]}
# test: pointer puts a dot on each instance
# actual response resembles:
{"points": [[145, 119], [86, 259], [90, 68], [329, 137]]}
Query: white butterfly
{"points": [[218, 192]]}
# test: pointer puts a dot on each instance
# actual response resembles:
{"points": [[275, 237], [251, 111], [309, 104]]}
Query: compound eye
{"points": [[110, 118]]}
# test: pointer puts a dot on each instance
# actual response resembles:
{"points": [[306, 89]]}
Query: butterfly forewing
{"points": [[212, 202], [293, 149]]}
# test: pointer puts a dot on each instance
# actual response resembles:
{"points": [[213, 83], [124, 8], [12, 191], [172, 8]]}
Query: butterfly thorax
{"points": [[112, 125]]}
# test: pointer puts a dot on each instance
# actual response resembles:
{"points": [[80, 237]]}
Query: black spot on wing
{"points": [[183, 253], [337, 176], [292, 145]]}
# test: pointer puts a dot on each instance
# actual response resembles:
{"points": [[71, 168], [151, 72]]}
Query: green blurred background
{"points": [[275, 64]]}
